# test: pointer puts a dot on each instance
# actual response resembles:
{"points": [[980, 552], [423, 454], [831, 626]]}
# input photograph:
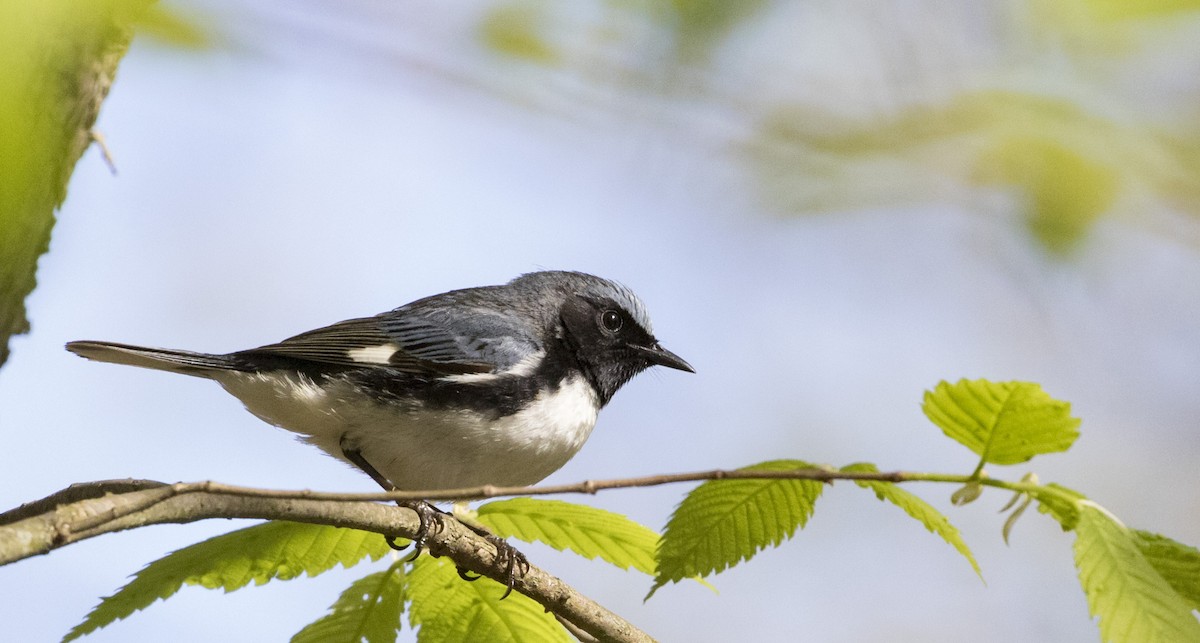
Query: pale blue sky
{"points": [[330, 167]]}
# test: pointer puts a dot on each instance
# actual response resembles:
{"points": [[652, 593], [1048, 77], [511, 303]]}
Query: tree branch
{"points": [[91, 509], [182, 503], [73, 493]]}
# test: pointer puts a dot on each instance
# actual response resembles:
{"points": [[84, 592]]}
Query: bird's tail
{"points": [[185, 362]]}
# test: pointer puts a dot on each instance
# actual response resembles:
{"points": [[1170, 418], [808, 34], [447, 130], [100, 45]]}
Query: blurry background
{"points": [[827, 206]]}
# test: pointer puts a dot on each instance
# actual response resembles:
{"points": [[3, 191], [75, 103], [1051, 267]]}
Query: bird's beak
{"points": [[663, 357]]}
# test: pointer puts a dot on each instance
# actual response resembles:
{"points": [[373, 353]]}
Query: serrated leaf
{"points": [[1002, 422], [448, 610], [1133, 602], [1176, 562], [724, 522], [231, 561], [1064, 510], [934, 520], [587, 531], [369, 609]]}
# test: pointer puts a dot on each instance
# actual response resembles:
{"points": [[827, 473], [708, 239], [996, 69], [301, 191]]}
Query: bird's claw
{"points": [[511, 559], [431, 519], [428, 515], [513, 562]]}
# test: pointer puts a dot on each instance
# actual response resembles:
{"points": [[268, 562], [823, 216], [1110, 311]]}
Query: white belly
{"points": [[421, 449]]}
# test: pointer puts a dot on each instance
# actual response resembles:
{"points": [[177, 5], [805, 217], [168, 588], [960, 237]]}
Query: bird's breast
{"points": [[417, 446], [556, 423]]}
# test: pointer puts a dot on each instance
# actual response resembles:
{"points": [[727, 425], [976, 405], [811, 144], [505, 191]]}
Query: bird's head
{"points": [[606, 328]]}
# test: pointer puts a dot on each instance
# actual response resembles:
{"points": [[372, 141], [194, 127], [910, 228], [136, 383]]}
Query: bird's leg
{"points": [[427, 514], [507, 556]]}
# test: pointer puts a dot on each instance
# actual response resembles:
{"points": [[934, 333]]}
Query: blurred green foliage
{"points": [[517, 30], [1065, 190], [700, 25], [1045, 112], [525, 29], [1068, 164], [1125, 10], [58, 59], [1096, 30], [172, 28]]}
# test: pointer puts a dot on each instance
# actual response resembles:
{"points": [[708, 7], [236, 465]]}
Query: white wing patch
{"points": [[523, 368], [373, 354]]}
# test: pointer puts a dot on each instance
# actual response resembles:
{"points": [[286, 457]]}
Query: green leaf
{"points": [[587, 531], [369, 609], [449, 610], [60, 58], [1176, 562], [1003, 422], [724, 522], [1063, 509], [912, 505], [257, 554], [1134, 603]]}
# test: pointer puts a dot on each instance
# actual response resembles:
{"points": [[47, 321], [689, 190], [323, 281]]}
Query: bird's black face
{"points": [[609, 345]]}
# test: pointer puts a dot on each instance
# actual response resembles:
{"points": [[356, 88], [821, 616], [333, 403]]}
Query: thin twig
{"points": [[590, 487]]}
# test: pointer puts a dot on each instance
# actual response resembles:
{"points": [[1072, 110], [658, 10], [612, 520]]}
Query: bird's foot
{"points": [[430, 517], [508, 558]]}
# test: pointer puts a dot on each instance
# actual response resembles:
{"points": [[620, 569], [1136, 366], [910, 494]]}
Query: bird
{"points": [[494, 385]]}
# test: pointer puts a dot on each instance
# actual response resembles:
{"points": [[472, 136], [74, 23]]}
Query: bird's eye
{"points": [[611, 320]]}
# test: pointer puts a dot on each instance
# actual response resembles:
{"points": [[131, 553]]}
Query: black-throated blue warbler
{"points": [[497, 385]]}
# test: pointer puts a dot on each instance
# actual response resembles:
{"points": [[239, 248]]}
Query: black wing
{"points": [[453, 342]]}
